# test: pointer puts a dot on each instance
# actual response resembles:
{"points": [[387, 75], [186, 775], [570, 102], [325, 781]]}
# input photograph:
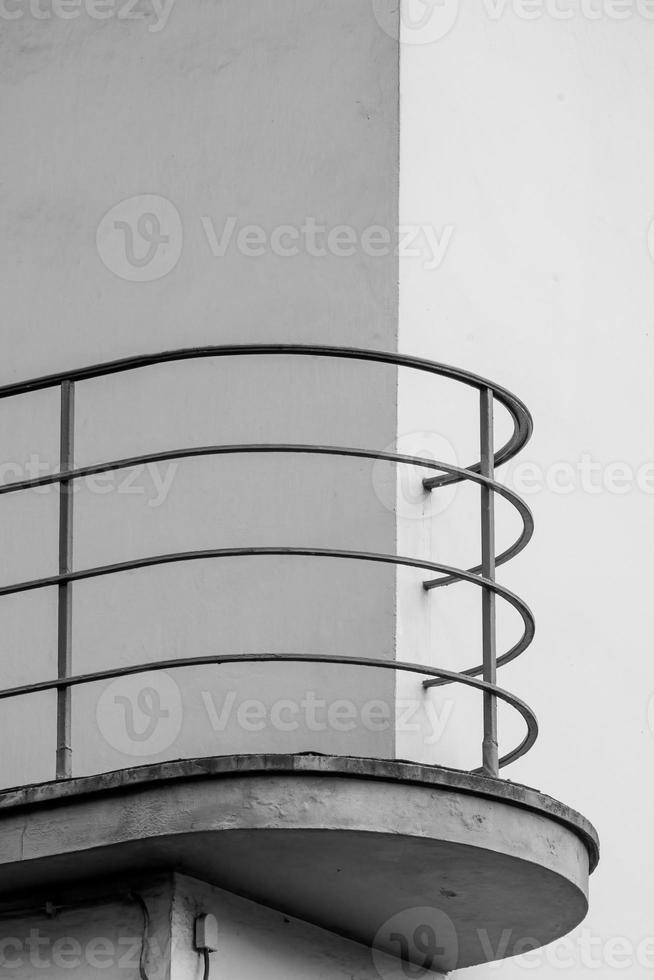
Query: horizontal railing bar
{"points": [[509, 553], [231, 658], [522, 420], [219, 450], [211, 553]]}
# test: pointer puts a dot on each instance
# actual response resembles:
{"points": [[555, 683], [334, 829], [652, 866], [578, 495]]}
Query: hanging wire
{"points": [[146, 929], [207, 963]]}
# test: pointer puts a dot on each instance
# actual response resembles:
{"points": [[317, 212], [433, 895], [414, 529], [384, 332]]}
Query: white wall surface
{"points": [[533, 139]]}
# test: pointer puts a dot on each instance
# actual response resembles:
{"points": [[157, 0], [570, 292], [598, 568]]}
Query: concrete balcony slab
{"points": [[352, 845]]}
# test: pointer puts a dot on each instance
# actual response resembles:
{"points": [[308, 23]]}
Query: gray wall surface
{"points": [[193, 127]]}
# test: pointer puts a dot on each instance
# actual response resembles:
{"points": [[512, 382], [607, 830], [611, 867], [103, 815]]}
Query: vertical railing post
{"points": [[490, 745], [64, 608]]}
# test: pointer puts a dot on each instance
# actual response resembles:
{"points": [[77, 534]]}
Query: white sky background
{"points": [[534, 140]]}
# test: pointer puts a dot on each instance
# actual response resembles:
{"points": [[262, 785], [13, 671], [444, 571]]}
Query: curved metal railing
{"points": [[482, 575]]}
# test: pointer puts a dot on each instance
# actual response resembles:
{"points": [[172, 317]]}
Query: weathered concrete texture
{"points": [[345, 844]]}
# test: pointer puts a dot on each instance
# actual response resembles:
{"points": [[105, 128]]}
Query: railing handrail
{"points": [[523, 422], [177, 663], [95, 469], [483, 575]]}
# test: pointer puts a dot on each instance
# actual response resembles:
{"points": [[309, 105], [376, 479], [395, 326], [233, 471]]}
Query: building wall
{"points": [[209, 116], [97, 935], [527, 128], [256, 941], [236, 131], [94, 935]]}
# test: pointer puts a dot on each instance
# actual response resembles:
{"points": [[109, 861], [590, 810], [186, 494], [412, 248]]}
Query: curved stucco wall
{"points": [[240, 132], [275, 114]]}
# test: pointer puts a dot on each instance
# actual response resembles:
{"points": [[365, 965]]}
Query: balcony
{"points": [[380, 834]]}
